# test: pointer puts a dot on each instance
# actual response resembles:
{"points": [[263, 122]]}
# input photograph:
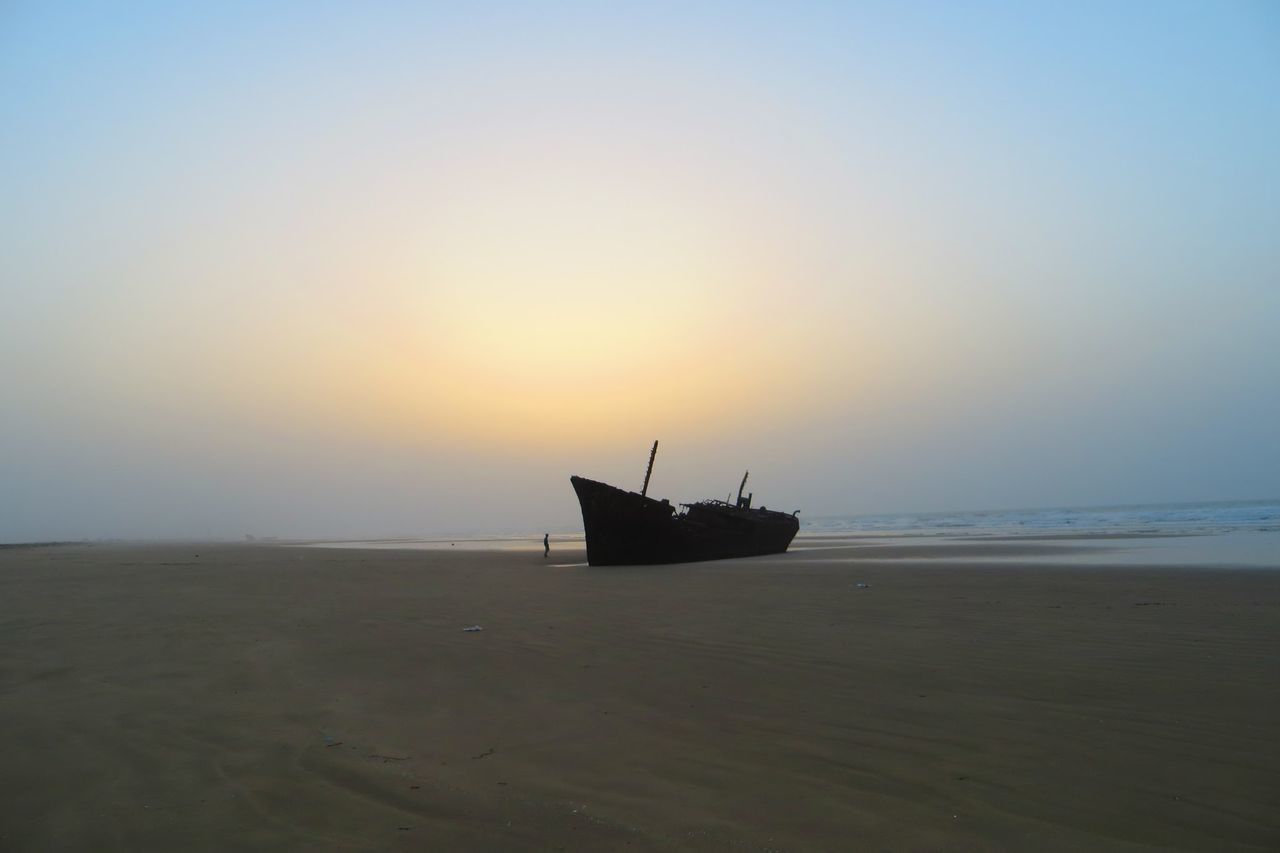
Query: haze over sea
{"points": [[344, 270]]}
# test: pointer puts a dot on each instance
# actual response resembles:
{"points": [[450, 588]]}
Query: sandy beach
{"points": [[855, 697]]}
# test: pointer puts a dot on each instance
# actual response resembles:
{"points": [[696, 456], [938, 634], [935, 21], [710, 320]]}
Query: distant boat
{"points": [[626, 529]]}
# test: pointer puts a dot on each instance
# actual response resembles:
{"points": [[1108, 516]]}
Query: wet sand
{"points": [[219, 697]]}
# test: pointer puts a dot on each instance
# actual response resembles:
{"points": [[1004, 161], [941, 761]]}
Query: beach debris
{"points": [[484, 754], [386, 758], [862, 585], [473, 628], [335, 743]]}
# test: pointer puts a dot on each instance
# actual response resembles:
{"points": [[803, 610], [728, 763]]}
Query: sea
{"points": [[1145, 519]]}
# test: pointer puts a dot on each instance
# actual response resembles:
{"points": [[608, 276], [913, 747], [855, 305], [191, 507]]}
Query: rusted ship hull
{"points": [[624, 528]]}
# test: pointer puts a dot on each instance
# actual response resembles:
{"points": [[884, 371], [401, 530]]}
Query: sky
{"points": [[321, 270]]}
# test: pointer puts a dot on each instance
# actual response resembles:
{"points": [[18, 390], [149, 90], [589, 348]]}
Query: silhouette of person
{"points": [[546, 545]]}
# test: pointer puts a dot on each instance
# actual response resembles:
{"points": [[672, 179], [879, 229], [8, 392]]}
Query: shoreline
{"points": [[1235, 549]]}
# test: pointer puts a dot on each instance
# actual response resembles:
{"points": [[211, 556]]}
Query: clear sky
{"points": [[358, 269]]}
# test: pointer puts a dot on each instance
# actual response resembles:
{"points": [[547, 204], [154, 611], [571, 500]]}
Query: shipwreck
{"points": [[628, 528]]}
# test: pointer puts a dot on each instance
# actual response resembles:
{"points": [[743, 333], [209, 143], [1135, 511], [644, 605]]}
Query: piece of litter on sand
{"points": [[863, 585], [473, 628]]}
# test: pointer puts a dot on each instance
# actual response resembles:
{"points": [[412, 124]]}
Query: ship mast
{"points": [[742, 486], [652, 453]]}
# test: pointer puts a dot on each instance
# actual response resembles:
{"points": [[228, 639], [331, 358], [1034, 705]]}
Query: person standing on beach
{"points": [[546, 545]]}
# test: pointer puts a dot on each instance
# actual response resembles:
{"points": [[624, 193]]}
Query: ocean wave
{"points": [[1143, 519]]}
